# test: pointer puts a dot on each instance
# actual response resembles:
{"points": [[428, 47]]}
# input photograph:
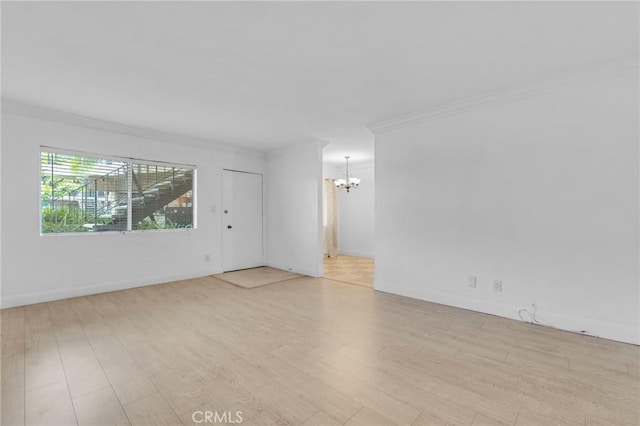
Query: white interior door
{"points": [[241, 220]]}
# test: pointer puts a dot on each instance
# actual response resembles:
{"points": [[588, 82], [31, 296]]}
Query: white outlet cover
{"points": [[497, 285]]}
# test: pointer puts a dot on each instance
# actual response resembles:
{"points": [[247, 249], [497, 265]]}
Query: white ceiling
{"points": [[265, 75]]}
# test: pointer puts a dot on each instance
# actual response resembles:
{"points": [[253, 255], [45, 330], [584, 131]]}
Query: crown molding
{"points": [[33, 111], [594, 72], [309, 143]]}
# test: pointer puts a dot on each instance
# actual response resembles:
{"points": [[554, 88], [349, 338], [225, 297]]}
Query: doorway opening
{"points": [[349, 269], [348, 218]]}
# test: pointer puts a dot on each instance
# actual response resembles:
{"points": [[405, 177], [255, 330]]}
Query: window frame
{"points": [[130, 162]]}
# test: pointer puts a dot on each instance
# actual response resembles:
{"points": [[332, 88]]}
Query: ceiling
{"points": [[264, 75]]}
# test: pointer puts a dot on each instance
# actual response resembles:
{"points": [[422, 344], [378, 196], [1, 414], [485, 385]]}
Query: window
{"points": [[162, 197], [87, 193]]}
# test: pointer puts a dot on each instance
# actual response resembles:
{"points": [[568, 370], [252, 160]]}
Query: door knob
{"points": [[229, 226]]}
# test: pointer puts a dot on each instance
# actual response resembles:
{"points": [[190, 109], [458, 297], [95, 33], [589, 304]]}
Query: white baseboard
{"points": [[48, 296], [606, 330], [355, 253]]}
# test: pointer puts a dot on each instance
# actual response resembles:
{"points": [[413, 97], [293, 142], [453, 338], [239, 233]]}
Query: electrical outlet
{"points": [[497, 285], [472, 281], [207, 257]]}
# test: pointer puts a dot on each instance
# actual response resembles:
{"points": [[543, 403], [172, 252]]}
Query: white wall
{"points": [[356, 214], [1, 192], [541, 193], [294, 209], [37, 268]]}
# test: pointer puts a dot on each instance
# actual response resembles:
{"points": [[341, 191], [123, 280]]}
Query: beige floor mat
{"points": [[255, 277]]}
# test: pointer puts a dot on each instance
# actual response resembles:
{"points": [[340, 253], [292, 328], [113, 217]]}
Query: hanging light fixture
{"points": [[348, 182]]}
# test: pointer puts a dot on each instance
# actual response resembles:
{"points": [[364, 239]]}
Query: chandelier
{"points": [[348, 182]]}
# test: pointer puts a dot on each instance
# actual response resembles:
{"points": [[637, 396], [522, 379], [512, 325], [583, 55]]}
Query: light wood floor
{"points": [[305, 351], [349, 269]]}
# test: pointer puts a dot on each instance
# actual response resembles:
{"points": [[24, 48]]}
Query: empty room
{"points": [[320, 213]]}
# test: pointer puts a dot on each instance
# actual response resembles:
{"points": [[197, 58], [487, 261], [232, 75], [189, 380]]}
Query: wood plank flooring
{"points": [[349, 269], [302, 352]]}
